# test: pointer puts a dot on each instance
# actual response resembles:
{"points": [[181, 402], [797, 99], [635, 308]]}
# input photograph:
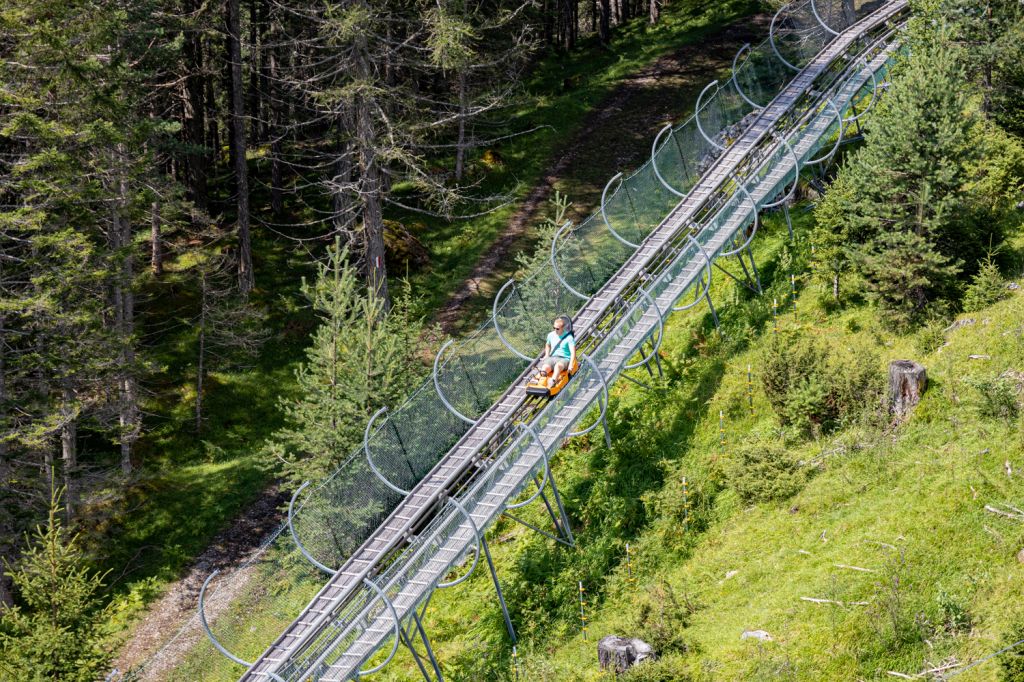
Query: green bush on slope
{"points": [[813, 388]]}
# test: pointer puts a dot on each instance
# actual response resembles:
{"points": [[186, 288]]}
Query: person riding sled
{"points": [[559, 350]]}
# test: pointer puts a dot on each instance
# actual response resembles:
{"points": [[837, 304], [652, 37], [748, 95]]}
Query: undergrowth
{"points": [[860, 549]]}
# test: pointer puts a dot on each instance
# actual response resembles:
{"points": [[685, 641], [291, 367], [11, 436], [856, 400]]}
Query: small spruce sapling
{"points": [[53, 632]]}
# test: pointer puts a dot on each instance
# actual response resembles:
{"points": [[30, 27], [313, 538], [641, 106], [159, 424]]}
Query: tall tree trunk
{"points": [[275, 132], [372, 185], [124, 319], [341, 200], [606, 20], [372, 197], [460, 145], [654, 12], [245, 274], [68, 447], [201, 360], [3, 385], [213, 138], [254, 72], [546, 12], [156, 250], [195, 119]]}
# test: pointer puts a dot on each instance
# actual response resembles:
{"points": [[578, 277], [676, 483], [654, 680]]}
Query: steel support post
{"points": [[556, 520], [561, 509], [426, 644], [497, 588], [789, 221], [561, 522], [714, 314], [409, 633], [753, 265]]}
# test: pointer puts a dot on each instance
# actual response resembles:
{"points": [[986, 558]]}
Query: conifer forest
{"points": [[266, 266]]}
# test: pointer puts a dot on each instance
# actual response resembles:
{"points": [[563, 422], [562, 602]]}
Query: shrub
{"points": [[764, 471], [931, 336], [813, 389], [995, 396], [795, 378], [986, 288], [661, 619], [956, 618]]}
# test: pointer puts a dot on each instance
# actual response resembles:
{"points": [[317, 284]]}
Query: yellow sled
{"points": [[538, 385]]}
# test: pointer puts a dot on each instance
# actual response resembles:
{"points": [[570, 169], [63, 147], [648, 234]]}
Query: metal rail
{"points": [[654, 278]]}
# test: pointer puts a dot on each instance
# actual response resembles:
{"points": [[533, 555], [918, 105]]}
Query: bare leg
{"points": [[559, 368]]}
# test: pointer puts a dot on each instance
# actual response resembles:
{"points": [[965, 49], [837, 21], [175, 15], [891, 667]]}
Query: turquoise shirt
{"points": [[561, 347]]}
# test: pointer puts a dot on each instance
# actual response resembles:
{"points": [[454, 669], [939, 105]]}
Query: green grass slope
{"points": [[888, 531]]}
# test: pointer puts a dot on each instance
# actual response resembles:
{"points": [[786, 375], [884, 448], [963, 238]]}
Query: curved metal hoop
{"points": [[757, 222], [696, 115], [554, 263], [817, 16], [206, 626], [736, 82], [369, 458], [661, 332], [839, 140], [295, 535], [547, 467], [771, 39], [476, 554], [497, 327], [654, 164], [707, 285], [604, 216], [394, 615], [796, 173], [874, 91], [440, 393], [603, 406]]}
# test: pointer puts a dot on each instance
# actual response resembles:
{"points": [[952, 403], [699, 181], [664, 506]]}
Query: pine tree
{"points": [[989, 31], [53, 631], [905, 275], [897, 194], [362, 358]]}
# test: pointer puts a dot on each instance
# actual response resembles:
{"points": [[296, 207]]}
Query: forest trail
{"points": [[636, 109], [160, 629]]}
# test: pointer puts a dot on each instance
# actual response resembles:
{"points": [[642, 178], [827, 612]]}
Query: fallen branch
{"points": [[855, 568], [1015, 514], [818, 600]]}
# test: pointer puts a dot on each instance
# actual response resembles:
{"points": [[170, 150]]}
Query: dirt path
{"points": [[664, 91], [165, 619]]}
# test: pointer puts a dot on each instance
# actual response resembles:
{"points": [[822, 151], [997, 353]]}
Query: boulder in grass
{"points": [[760, 635], [622, 653]]}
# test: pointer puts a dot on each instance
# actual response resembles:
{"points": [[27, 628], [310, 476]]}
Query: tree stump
{"points": [[907, 382], [622, 653]]}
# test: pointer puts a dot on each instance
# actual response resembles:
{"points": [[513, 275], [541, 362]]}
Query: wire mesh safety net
{"points": [[409, 441], [336, 516]]}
